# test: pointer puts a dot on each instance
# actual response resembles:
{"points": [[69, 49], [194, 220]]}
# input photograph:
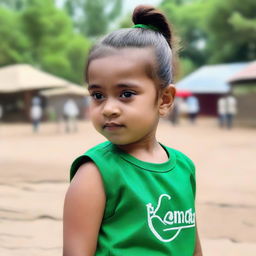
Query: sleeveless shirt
{"points": [[149, 207]]}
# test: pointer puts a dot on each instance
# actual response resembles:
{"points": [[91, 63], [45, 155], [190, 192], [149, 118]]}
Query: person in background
{"points": [[222, 111], [231, 110], [193, 108], [227, 109], [86, 107], [36, 113], [174, 115], [1, 112], [71, 112]]}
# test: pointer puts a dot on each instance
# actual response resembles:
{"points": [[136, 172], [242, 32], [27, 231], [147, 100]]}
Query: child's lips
{"points": [[112, 126]]}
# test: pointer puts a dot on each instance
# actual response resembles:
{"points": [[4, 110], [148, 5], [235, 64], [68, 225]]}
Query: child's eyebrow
{"points": [[127, 85], [93, 86]]}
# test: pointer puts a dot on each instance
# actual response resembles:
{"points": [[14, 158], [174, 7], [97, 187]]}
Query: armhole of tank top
{"points": [[193, 173], [190, 163], [101, 168], [76, 164], [191, 167]]}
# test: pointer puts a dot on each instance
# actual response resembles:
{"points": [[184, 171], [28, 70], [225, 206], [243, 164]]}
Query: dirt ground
{"points": [[35, 172]]}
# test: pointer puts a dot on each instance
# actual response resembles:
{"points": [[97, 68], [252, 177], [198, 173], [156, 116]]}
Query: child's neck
{"points": [[147, 150]]}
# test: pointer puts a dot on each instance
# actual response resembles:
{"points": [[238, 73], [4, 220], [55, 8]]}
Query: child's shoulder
{"points": [[95, 154]]}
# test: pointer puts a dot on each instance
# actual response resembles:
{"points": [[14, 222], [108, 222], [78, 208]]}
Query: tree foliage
{"points": [[186, 18], [14, 45], [14, 4], [230, 30], [213, 31], [44, 36], [47, 28], [37, 32], [94, 17]]}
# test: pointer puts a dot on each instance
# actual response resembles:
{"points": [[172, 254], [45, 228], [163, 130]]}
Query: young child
{"points": [[131, 195]]}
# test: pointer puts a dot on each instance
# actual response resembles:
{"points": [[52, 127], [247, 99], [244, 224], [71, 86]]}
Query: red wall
{"points": [[208, 103]]}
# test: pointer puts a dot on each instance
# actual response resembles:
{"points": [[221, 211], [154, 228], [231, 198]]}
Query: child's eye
{"points": [[97, 96], [127, 94]]}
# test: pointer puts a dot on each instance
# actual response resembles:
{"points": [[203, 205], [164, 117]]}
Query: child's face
{"points": [[123, 107]]}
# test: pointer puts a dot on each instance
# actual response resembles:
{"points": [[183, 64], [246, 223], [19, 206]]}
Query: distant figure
{"points": [[86, 107], [36, 101], [36, 115], [193, 108], [222, 111], [1, 112], [183, 106], [231, 110], [71, 113], [174, 116], [227, 109]]}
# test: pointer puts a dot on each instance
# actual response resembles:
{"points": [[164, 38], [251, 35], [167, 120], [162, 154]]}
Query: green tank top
{"points": [[149, 207]]}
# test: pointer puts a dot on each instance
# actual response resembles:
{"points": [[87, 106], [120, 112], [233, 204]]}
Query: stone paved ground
{"points": [[34, 179]]}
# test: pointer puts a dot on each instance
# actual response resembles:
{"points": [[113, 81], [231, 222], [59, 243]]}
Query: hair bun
{"points": [[148, 15]]}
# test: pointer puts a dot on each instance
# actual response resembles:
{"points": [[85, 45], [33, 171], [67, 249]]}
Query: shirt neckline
{"points": [[148, 166]]}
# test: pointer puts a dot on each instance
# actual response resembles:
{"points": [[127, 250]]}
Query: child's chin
{"points": [[119, 141]]}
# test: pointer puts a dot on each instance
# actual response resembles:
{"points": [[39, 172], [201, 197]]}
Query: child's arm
{"points": [[198, 249], [83, 212]]}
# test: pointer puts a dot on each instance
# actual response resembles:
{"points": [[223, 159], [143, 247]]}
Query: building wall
{"points": [[246, 105], [208, 103], [57, 103], [16, 106]]}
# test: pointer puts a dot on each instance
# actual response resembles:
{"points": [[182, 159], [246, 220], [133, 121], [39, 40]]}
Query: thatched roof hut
{"points": [[19, 83]]}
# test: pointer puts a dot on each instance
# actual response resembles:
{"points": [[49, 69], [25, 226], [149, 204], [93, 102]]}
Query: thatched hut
{"points": [[19, 83]]}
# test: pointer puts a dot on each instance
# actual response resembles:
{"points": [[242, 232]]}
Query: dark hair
{"points": [[161, 41]]}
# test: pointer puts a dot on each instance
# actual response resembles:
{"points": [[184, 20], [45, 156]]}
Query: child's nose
{"points": [[111, 108]]}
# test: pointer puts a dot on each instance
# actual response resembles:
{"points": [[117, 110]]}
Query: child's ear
{"points": [[166, 99]]}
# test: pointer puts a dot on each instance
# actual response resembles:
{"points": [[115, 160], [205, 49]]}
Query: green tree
{"points": [[47, 28], [231, 30], [14, 44], [70, 62], [94, 17], [77, 52], [42, 35], [14, 4], [126, 21], [243, 24], [186, 18], [71, 7]]}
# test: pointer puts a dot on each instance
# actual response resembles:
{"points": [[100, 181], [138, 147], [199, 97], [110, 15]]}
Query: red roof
{"points": [[247, 73]]}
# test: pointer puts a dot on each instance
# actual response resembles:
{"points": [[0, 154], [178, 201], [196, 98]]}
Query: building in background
{"points": [[19, 84], [209, 83], [243, 86], [56, 99]]}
